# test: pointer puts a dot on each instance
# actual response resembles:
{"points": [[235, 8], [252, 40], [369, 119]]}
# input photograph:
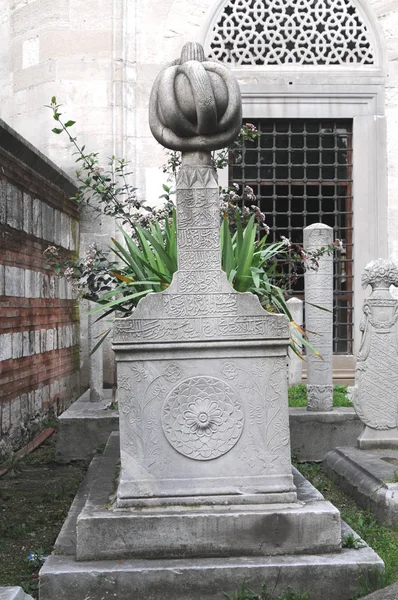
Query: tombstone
{"points": [[376, 376], [201, 369], [319, 323], [295, 363]]}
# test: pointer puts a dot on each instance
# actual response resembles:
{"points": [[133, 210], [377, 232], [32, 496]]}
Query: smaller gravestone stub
{"points": [[319, 323], [376, 376]]}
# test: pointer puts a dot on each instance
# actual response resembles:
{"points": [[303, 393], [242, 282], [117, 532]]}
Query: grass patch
{"points": [[35, 496], [298, 396], [382, 538]]}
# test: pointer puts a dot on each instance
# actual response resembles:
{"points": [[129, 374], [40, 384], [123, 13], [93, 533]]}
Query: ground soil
{"points": [[35, 496]]}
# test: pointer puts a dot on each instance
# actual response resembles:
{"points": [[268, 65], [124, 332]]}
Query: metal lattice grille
{"points": [[301, 173]]}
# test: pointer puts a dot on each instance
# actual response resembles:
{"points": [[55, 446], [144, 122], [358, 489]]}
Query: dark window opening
{"points": [[301, 173]]}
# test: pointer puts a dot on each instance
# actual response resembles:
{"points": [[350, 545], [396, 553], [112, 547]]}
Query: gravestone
{"points": [[319, 323], [376, 376], [201, 369]]}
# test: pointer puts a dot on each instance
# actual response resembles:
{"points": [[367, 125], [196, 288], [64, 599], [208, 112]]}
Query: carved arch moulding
{"points": [[295, 33]]}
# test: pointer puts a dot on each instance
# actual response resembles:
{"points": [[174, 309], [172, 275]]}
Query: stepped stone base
{"points": [[336, 575], [368, 476], [245, 528]]}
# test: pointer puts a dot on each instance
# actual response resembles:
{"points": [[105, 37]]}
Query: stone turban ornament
{"points": [[195, 104]]}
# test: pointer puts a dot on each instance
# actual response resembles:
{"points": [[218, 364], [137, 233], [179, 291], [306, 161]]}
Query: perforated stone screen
{"points": [[297, 32], [301, 173]]}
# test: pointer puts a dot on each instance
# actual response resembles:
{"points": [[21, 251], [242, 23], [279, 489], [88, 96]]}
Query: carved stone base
{"points": [[204, 420], [319, 397], [378, 438]]}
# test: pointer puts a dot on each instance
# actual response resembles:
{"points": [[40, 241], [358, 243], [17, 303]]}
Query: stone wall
{"points": [[39, 327]]}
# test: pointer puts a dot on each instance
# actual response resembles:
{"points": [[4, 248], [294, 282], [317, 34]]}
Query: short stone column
{"points": [[295, 363], [376, 377], [319, 323], [96, 362]]}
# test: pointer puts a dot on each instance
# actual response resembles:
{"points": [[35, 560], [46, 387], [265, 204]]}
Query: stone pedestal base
{"points": [[368, 476], [372, 439], [336, 574]]}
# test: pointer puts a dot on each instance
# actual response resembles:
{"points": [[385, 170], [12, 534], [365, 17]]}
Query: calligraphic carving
{"points": [[199, 239]]}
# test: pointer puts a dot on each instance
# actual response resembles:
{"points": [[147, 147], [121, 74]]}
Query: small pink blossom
{"points": [[286, 241]]}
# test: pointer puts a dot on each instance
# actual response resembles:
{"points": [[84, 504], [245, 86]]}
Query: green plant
{"points": [[147, 259], [298, 396], [246, 594], [379, 536], [352, 541]]}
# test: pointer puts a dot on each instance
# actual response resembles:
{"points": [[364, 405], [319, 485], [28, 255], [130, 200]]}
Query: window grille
{"points": [[297, 32], [301, 173]]}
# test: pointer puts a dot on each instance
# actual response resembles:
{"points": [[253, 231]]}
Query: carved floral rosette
{"points": [[376, 395], [202, 418]]}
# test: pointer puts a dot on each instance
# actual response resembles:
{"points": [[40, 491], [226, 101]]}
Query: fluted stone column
{"points": [[319, 292]]}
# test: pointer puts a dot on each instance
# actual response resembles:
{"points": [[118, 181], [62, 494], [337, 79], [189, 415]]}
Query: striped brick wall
{"points": [[39, 328]]}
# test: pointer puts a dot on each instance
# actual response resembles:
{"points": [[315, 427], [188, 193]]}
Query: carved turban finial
{"points": [[195, 104]]}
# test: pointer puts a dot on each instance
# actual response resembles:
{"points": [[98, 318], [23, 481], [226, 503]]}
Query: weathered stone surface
{"points": [[376, 376], [368, 476], [387, 593], [319, 323], [13, 593]]}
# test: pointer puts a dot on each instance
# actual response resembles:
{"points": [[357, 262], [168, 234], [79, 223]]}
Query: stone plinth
{"points": [[319, 323], [376, 376]]}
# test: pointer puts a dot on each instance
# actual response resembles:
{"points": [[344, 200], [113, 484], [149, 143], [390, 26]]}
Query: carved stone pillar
{"points": [[319, 323]]}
